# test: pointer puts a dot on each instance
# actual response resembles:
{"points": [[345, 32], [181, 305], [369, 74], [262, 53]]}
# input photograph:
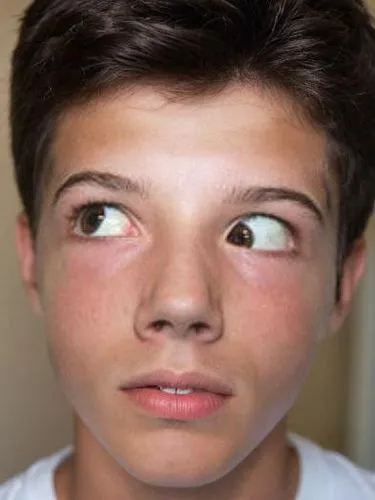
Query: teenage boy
{"points": [[196, 178]]}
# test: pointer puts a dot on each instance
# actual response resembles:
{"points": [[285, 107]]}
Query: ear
{"points": [[352, 272], [26, 259]]}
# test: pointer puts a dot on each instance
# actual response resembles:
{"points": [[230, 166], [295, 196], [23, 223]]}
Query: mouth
{"points": [[176, 390], [183, 397]]}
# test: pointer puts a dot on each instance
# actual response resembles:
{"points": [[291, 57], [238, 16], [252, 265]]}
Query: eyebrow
{"points": [[254, 194], [237, 194], [106, 180]]}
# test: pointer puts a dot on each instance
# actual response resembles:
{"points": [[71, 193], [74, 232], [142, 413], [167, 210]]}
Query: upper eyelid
{"points": [[78, 208], [118, 206], [288, 225], [86, 194]]}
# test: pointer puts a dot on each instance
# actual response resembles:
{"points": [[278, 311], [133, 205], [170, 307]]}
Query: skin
{"points": [[262, 312]]}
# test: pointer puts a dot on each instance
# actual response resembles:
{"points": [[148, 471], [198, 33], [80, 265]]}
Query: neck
{"points": [[270, 472]]}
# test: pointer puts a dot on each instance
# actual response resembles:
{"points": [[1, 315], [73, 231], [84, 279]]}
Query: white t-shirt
{"points": [[324, 476]]}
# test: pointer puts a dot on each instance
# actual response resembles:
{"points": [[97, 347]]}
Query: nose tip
{"points": [[180, 299]]}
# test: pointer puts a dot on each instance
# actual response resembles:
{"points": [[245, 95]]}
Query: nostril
{"points": [[159, 325], [199, 326], [162, 324]]}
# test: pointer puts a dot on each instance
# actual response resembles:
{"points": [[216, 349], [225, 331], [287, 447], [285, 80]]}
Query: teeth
{"points": [[174, 390]]}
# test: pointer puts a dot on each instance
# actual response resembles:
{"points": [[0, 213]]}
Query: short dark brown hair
{"points": [[320, 52]]}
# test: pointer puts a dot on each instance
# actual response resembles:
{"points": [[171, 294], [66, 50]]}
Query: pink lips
{"points": [[209, 394]]}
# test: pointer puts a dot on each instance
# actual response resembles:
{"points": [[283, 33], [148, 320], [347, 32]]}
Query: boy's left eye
{"points": [[101, 221], [261, 233]]}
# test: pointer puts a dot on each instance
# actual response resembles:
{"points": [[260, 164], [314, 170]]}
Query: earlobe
{"points": [[26, 260], [352, 272]]}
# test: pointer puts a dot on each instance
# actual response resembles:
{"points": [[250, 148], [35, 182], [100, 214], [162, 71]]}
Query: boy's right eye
{"points": [[101, 220]]}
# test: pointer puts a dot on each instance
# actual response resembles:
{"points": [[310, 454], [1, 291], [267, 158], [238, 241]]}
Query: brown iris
{"points": [[91, 219], [241, 236]]}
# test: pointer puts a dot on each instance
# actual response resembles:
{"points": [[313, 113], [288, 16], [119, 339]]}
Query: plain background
{"points": [[34, 418]]}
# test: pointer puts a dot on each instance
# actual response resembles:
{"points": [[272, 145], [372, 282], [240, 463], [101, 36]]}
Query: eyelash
{"points": [[290, 227]]}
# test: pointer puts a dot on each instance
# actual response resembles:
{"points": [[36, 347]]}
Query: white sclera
{"points": [[268, 233]]}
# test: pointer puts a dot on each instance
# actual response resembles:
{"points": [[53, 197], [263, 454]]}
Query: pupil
{"points": [[241, 235], [92, 219]]}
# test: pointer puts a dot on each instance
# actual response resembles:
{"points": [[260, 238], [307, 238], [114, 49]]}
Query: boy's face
{"points": [[200, 237]]}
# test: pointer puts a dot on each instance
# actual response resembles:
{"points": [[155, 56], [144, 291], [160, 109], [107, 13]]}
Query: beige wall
{"points": [[34, 419]]}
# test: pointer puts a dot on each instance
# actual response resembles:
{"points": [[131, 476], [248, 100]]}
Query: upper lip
{"points": [[191, 380]]}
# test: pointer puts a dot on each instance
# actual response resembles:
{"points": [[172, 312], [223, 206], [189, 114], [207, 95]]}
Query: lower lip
{"points": [[189, 407]]}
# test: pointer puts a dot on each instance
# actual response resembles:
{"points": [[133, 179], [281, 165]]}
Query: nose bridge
{"points": [[181, 293]]}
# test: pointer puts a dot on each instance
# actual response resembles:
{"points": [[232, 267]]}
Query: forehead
{"points": [[252, 132], [151, 113]]}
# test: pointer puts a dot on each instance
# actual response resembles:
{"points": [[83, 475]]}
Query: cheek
{"points": [[87, 306], [278, 316], [87, 286], [286, 300]]}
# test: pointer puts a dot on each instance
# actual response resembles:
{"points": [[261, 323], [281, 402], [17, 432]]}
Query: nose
{"points": [[181, 297]]}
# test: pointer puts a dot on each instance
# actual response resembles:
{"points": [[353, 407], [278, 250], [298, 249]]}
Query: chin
{"points": [[180, 464], [184, 475]]}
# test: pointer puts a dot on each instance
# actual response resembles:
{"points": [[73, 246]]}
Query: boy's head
{"points": [[193, 173], [320, 54]]}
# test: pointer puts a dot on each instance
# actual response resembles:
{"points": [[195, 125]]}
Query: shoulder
{"points": [[328, 476], [36, 481]]}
